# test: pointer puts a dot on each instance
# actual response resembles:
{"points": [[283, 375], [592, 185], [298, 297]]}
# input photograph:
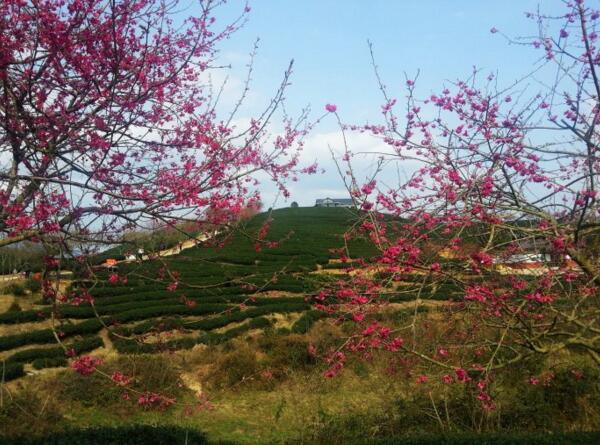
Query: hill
{"points": [[216, 287]]}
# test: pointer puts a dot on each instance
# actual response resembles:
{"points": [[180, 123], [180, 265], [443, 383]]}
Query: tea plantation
{"points": [[207, 294], [232, 288]]}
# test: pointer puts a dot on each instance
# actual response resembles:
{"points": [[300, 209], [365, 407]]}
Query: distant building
{"points": [[334, 202]]}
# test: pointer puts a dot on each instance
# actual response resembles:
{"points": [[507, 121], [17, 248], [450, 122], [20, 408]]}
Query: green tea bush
{"points": [[236, 316], [43, 336], [33, 285], [158, 311], [23, 316], [307, 320], [135, 296], [132, 347], [16, 289], [334, 266], [213, 338], [55, 362], [208, 338], [160, 325], [10, 371], [294, 303], [30, 355]]}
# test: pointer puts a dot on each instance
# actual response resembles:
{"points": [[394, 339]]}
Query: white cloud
{"points": [[366, 148]]}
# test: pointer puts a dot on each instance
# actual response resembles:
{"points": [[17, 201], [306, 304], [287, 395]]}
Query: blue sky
{"points": [[443, 39]]}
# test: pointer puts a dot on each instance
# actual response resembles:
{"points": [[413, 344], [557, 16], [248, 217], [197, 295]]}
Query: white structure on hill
{"points": [[334, 202]]}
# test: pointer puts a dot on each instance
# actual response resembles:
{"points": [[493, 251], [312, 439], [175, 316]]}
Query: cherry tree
{"points": [[109, 121], [498, 213]]}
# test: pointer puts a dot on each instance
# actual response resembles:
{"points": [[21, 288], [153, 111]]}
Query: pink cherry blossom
{"points": [[86, 364]]}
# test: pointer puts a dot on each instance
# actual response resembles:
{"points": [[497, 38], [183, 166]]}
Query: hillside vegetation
{"points": [[226, 329], [219, 286]]}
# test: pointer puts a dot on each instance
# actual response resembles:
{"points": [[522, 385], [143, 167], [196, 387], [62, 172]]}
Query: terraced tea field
{"points": [[221, 293]]}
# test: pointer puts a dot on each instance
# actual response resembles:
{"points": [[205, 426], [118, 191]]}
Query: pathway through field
{"points": [[188, 244]]}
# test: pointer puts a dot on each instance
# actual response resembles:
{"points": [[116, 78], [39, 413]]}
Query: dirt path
{"points": [[188, 244], [192, 381], [183, 246], [5, 302], [10, 277], [417, 302], [109, 348]]}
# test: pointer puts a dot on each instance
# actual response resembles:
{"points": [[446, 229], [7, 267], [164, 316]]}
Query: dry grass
{"points": [[294, 407], [261, 409], [285, 321], [5, 302]]}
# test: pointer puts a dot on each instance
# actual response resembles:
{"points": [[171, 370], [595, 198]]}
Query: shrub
{"points": [[328, 429], [511, 438], [287, 352], [234, 368], [151, 373], [325, 336], [17, 289], [33, 285], [14, 307], [560, 403], [148, 373]]}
